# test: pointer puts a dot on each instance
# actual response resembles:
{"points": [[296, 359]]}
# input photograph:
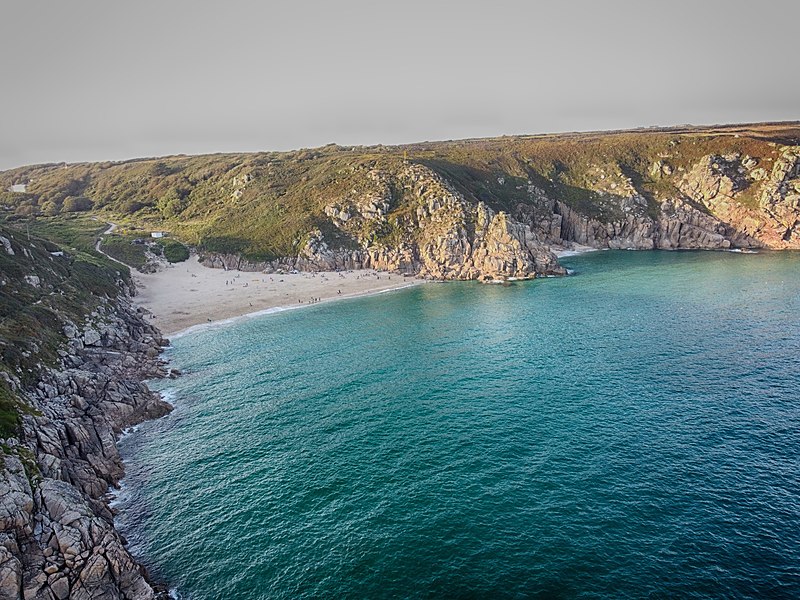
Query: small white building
{"points": [[157, 234]]}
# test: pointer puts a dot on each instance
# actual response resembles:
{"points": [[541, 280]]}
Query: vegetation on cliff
{"points": [[268, 206], [73, 353], [43, 286]]}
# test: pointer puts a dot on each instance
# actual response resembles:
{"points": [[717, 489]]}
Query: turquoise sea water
{"points": [[630, 431]]}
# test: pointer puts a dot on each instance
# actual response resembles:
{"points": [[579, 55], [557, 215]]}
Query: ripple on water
{"points": [[629, 431]]}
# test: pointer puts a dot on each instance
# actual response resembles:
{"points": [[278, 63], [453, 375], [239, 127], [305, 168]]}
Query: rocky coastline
{"points": [[58, 454], [451, 235], [57, 535]]}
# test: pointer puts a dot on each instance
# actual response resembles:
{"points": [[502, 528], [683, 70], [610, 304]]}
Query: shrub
{"points": [[77, 204], [50, 208], [174, 251], [131, 206], [173, 203], [25, 210], [9, 411]]}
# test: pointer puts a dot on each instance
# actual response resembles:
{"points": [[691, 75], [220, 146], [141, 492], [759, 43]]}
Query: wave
{"points": [[278, 309]]}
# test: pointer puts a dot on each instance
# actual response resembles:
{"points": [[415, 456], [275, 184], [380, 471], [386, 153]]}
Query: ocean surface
{"points": [[630, 431]]}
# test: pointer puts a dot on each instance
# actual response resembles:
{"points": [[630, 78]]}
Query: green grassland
{"points": [[74, 232], [133, 250], [31, 315], [124, 249]]}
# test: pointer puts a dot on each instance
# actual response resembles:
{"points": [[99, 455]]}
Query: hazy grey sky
{"points": [[103, 79]]}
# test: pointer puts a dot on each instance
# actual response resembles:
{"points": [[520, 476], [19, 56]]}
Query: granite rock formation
{"points": [[443, 236], [57, 536], [721, 202]]}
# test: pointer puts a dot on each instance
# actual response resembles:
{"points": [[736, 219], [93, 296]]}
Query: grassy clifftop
{"points": [[264, 205], [43, 286]]}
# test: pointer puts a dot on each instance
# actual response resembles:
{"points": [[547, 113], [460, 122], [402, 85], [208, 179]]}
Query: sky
{"points": [[89, 80]]}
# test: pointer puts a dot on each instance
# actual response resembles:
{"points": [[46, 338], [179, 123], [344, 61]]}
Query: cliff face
{"points": [[473, 209], [772, 219], [438, 234], [57, 537], [720, 202]]}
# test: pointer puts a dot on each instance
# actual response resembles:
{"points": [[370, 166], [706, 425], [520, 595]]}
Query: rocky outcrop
{"points": [[679, 225], [771, 217], [780, 201], [415, 220], [442, 236], [634, 231], [57, 536], [720, 202], [487, 246]]}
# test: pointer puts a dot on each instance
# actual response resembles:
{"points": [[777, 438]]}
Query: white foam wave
{"points": [[576, 251], [277, 309], [119, 495], [169, 395]]}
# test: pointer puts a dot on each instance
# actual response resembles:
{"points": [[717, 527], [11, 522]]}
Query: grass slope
{"points": [[262, 205]]}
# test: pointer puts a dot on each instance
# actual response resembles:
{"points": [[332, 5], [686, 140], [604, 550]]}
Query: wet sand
{"points": [[187, 294]]}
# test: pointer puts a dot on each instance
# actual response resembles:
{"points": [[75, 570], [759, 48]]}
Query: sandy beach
{"points": [[573, 250], [187, 294]]}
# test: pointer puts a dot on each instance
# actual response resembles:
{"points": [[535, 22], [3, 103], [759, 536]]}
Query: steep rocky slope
{"points": [[472, 209], [429, 229], [74, 353]]}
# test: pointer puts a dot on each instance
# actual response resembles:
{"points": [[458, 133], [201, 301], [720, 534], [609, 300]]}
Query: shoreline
{"points": [[574, 250], [278, 309], [185, 297], [188, 295]]}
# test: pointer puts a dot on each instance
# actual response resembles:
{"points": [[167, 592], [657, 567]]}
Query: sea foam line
{"points": [[277, 309]]}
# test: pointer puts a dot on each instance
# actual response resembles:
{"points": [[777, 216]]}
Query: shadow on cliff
{"points": [[503, 191]]}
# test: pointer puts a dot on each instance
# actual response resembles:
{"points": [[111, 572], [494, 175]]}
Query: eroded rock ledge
{"points": [[57, 537]]}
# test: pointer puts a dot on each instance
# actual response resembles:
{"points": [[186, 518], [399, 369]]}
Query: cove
{"points": [[631, 430]]}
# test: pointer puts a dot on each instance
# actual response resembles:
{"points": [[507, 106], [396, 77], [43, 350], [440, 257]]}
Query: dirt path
{"points": [[111, 228]]}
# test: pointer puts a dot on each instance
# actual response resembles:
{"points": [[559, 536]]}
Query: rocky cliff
{"points": [[471, 209], [720, 202], [439, 234], [59, 455]]}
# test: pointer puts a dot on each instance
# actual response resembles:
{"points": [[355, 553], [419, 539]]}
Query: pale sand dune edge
{"points": [[187, 294]]}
